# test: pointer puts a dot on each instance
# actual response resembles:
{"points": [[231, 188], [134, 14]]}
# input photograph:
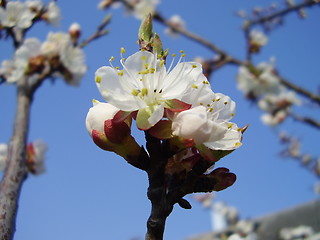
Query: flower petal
{"points": [[149, 116]]}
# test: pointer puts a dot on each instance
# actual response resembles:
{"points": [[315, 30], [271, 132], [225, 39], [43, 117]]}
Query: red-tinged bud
{"points": [[75, 32], [35, 157], [223, 178], [116, 132], [102, 141]]}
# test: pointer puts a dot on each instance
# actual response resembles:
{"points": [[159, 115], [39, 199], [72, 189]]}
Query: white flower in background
{"points": [[72, 58], [103, 4], [178, 23], [3, 155], [16, 14], [16, 69], [274, 118], [35, 5], [259, 83], [98, 114], [282, 100], [207, 122], [143, 7], [145, 85], [300, 232], [7, 67], [258, 38], [53, 14], [36, 156]]}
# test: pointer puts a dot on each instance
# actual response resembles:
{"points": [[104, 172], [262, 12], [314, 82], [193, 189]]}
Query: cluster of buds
{"points": [[261, 84], [174, 106], [35, 156], [16, 16], [58, 56]]}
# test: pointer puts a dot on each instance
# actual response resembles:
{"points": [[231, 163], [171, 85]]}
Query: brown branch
{"points": [[306, 120], [281, 13], [300, 90], [101, 31], [15, 172]]}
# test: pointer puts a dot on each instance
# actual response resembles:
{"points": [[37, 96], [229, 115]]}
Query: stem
{"points": [[15, 172]]}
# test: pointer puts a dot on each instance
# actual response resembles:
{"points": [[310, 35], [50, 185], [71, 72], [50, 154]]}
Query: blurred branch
{"points": [[100, 32], [281, 13], [302, 91], [15, 172], [306, 120]]}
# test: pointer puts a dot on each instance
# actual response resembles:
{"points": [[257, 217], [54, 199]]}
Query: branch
{"points": [[281, 13], [306, 120], [302, 91], [101, 31], [15, 172]]}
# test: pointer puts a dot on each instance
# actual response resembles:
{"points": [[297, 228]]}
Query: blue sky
{"points": [[88, 193]]}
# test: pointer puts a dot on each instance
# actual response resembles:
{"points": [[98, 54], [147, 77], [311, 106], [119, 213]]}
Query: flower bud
{"points": [[75, 32], [36, 156], [98, 114]]}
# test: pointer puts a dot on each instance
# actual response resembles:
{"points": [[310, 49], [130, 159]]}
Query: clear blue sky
{"points": [[87, 193]]}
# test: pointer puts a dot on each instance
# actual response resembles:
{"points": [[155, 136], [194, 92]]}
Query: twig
{"points": [[101, 31], [306, 120], [281, 13]]}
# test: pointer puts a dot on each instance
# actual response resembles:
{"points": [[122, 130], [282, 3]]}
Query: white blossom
{"points": [[53, 15], [260, 82], [3, 155], [98, 114], [16, 14], [258, 38], [14, 70], [36, 5], [178, 23], [207, 122], [145, 85], [275, 118], [143, 7]]}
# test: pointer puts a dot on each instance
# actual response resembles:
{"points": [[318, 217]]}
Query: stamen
{"points": [[98, 79]]}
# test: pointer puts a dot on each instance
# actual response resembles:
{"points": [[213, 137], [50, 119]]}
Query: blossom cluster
{"points": [[262, 84], [136, 7], [34, 160], [20, 16], [57, 55], [175, 103]]}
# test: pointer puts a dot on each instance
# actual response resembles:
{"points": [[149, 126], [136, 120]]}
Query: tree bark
{"points": [[15, 172]]}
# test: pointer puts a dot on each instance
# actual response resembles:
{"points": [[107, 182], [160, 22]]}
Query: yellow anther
{"points": [[161, 63], [205, 82], [229, 125], [225, 103], [213, 100], [194, 86], [144, 91], [194, 66], [232, 114], [201, 103], [211, 109], [181, 51], [152, 70], [122, 50], [239, 129], [94, 101], [120, 73], [98, 79], [208, 105], [135, 92], [237, 144], [111, 58], [144, 72], [183, 55], [173, 55], [144, 58], [146, 66], [117, 68], [218, 99]]}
